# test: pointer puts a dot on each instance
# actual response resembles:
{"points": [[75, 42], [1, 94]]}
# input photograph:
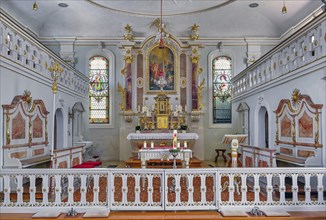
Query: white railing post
{"points": [[307, 188], [19, 189], [190, 178], [32, 189], [45, 189], [282, 188], [83, 189], [244, 188], [137, 189], [71, 189], [96, 189], [295, 189], [256, 188], [269, 190], [177, 189], [110, 189], [218, 189], [203, 188], [320, 188], [7, 189], [231, 188], [124, 188], [58, 189], [150, 189]]}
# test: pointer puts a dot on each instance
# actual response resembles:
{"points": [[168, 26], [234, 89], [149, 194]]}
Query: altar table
{"points": [[163, 153]]}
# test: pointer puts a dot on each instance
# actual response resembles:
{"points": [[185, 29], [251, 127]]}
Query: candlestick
{"points": [[152, 144], [145, 144], [185, 144]]}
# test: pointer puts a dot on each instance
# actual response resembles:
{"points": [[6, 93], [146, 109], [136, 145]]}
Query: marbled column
{"points": [[140, 70], [183, 75], [128, 86], [194, 86]]}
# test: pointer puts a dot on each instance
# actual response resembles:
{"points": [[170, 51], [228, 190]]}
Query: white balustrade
{"points": [[18, 46], [304, 47], [163, 189]]}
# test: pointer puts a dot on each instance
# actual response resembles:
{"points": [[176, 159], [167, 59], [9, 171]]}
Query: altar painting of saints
{"points": [[161, 66]]}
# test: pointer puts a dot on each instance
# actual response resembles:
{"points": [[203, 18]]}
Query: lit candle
{"points": [[152, 144], [178, 144], [145, 144], [185, 144]]}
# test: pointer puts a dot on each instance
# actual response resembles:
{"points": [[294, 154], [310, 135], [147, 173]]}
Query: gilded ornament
{"points": [[27, 97], [295, 99], [293, 130], [315, 42], [56, 70], [16, 47], [200, 89], [123, 97], [296, 53], [25, 52], [305, 48], [274, 66], [7, 128]]}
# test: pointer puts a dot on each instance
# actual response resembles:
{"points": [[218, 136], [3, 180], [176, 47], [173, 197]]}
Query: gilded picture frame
{"points": [[161, 62]]}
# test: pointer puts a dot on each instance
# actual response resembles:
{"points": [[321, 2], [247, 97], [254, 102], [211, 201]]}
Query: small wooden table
{"points": [[222, 154]]}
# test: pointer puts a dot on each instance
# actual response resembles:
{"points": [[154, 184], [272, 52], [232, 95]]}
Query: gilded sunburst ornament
{"points": [[295, 100], [27, 97]]}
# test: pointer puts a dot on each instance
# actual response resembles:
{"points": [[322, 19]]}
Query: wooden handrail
{"points": [[258, 148]]}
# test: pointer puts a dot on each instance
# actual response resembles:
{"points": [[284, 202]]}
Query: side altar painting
{"points": [[161, 65]]}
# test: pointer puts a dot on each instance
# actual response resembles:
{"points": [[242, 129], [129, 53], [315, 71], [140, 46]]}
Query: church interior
{"points": [[162, 109]]}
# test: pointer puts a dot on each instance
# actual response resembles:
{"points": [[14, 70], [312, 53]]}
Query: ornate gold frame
{"points": [[176, 70]]}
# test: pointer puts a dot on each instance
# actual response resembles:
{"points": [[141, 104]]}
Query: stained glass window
{"points": [[222, 73], [99, 90]]}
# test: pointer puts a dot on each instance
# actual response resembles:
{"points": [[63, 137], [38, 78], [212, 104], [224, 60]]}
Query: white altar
{"points": [[160, 140], [146, 154]]}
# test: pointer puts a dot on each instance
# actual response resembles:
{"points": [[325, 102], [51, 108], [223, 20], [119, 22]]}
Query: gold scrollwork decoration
{"points": [[276, 133], [293, 130], [7, 128], [128, 60], [123, 97], [317, 129], [30, 132], [46, 130], [195, 34], [200, 89], [128, 33], [56, 70]]}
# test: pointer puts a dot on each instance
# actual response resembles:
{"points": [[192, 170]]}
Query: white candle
{"points": [[152, 144], [185, 108], [145, 144], [138, 109], [185, 144], [178, 144]]}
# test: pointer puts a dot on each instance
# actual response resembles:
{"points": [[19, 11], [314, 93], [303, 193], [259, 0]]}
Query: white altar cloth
{"points": [[162, 136], [163, 154]]}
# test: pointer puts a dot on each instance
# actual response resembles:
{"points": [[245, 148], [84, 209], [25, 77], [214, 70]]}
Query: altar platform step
{"points": [[136, 163]]}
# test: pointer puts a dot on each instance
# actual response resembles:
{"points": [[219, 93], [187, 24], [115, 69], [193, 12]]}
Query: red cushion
{"points": [[95, 163], [84, 166]]}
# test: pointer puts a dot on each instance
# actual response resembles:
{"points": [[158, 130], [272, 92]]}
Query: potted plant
{"points": [[137, 128], [184, 128]]}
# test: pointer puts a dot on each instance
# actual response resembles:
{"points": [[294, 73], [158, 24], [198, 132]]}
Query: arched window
{"points": [[221, 79], [99, 90]]}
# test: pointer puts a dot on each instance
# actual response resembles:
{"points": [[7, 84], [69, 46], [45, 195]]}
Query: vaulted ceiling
{"points": [[107, 18]]}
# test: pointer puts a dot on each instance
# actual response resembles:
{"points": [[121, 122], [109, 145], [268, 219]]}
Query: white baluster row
{"points": [[244, 187], [21, 48], [300, 50]]}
